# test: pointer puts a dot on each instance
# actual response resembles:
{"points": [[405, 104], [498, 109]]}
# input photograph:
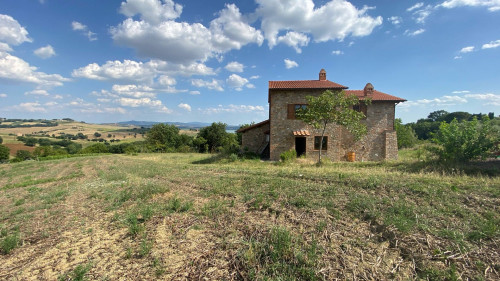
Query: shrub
{"points": [[96, 148], [24, 155], [465, 141], [9, 243], [288, 156], [4, 153], [406, 134], [1, 140]]}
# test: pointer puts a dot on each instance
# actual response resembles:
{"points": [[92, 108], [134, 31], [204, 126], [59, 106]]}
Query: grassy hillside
{"points": [[181, 216]]}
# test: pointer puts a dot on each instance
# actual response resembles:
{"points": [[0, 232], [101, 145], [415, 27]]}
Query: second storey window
{"points": [[292, 110], [361, 107]]}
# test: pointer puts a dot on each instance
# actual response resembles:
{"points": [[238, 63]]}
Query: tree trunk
{"points": [[321, 143]]}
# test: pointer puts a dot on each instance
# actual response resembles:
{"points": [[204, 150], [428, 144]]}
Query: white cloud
{"points": [[212, 85], [290, 64], [4, 47], [135, 91], [441, 101], [395, 20], [335, 20], [460, 92], [489, 99], [416, 6], [130, 71], [234, 109], [467, 49], [15, 69], [165, 80], [493, 5], [337, 52], [50, 103], [457, 57], [294, 40], [182, 42], [57, 97], [77, 26], [37, 92], [185, 106], [152, 11], [11, 32], [194, 92], [421, 15], [254, 77], [45, 52], [136, 102], [492, 44], [414, 33], [30, 107], [3, 95], [234, 66], [238, 82]]}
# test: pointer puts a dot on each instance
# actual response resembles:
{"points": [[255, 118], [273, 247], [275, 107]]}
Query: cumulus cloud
{"points": [[156, 35], [77, 26], [212, 85], [335, 20], [116, 70], [166, 80], [492, 44], [489, 99], [337, 52], [237, 82], [135, 91], [30, 107], [294, 40], [290, 64], [234, 109], [11, 32], [37, 92], [441, 101], [45, 52], [2, 95], [234, 66], [493, 5], [15, 69], [415, 32], [184, 106], [194, 92], [467, 49]]}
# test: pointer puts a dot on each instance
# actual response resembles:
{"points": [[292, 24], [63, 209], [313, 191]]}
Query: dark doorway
{"points": [[300, 146]]}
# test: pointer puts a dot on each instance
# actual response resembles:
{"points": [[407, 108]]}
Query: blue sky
{"points": [[164, 60]]}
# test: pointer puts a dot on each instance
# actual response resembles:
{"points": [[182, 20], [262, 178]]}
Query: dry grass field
{"points": [[186, 217]]}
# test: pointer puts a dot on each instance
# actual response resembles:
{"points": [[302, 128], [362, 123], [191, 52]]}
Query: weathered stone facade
{"points": [[380, 142]]}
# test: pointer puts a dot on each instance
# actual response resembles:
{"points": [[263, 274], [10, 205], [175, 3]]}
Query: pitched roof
{"points": [[377, 96], [253, 126], [305, 84]]}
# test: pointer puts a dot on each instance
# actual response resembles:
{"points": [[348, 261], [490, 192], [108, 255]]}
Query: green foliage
{"points": [[9, 243], [30, 141], [23, 155], [465, 141], [288, 156], [96, 148], [163, 137], [97, 135], [4, 153], [216, 137], [1, 140], [333, 108], [78, 273], [406, 135]]}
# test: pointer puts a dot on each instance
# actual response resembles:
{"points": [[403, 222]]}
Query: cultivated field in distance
{"points": [[193, 217]]}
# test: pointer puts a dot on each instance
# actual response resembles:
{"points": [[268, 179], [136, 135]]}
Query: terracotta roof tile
{"points": [[305, 84], [301, 133], [377, 96]]}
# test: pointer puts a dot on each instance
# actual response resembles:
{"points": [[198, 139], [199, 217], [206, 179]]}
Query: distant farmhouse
{"points": [[283, 131]]}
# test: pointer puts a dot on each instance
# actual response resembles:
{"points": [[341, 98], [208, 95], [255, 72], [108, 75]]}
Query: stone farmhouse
{"points": [[283, 131]]}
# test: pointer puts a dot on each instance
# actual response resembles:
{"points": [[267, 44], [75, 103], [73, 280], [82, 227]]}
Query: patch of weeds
{"points": [[147, 191], [133, 224], [299, 202], [213, 208], [363, 206], [433, 274], [176, 205], [9, 242], [371, 183], [19, 202], [78, 274], [279, 255], [484, 228], [321, 226], [54, 196], [128, 253], [145, 247], [401, 215]]}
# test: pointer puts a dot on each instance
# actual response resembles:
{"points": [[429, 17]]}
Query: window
{"points": [[293, 108], [361, 107], [317, 140]]}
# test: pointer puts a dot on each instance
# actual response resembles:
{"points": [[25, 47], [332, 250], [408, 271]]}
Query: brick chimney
{"points": [[322, 75], [368, 90]]}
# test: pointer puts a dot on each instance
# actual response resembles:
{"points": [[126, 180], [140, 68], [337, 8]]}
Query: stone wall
{"points": [[391, 145], [255, 138], [376, 145]]}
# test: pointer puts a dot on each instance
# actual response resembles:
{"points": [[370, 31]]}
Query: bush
{"points": [[1, 140], [465, 141], [406, 135], [24, 155], [288, 156], [4, 153], [96, 148]]}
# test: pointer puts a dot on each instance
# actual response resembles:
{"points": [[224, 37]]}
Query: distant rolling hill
{"points": [[180, 125]]}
